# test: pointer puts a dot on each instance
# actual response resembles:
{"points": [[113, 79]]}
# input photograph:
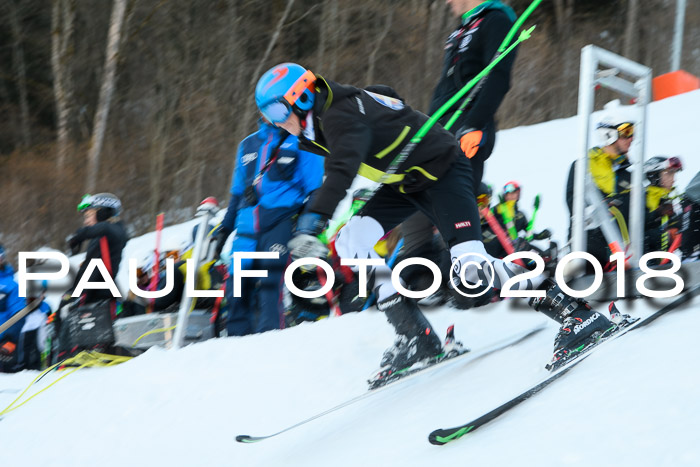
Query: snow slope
{"points": [[633, 403]]}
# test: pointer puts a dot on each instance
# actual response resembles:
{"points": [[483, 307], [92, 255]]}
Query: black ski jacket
{"points": [[468, 50], [116, 237], [361, 131]]}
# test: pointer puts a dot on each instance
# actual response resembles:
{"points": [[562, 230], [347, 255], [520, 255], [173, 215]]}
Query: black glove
{"points": [[543, 235], [305, 242], [74, 244], [665, 209], [220, 239]]}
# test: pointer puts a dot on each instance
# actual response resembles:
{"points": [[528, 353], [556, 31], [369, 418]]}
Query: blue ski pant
{"points": [[260, 307]]}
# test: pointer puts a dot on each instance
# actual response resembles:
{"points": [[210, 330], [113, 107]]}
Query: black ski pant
{"points": [[449, 204], [417, 230]]}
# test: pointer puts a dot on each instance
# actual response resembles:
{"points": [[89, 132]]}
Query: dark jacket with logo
{"points": [[468, 50], [281, 190], [361, 132]]}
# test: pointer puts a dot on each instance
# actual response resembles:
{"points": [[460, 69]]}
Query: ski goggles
{"points": [[625, 130], [276, 111], [511, 187]]}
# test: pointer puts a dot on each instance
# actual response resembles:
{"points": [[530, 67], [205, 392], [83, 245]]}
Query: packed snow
{"points": [[632, 403]]}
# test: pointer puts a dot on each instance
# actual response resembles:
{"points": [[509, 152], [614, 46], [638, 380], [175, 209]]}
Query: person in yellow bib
{"points": [[663, 203], [608, 166]]}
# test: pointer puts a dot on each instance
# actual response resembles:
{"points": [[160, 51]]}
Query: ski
{"points": [[443, 436], [473, 356]]}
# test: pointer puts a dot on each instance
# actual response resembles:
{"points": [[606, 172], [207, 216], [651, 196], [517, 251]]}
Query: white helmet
{"points": [[107, 202], [610, 130], [657, 164]]}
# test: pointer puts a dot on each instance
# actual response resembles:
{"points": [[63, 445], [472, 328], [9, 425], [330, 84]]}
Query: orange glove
{"points": [[470, 142]]}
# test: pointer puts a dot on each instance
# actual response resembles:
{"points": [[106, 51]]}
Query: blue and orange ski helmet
{"points": [[285, 88]]}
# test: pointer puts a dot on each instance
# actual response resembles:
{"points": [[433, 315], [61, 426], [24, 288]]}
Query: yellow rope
{"points": [[152, 331], [621, 223], [82, 360]]}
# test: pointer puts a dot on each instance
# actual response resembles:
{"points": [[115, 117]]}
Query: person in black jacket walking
{"points": [[107, 238], [469, 49], [361, 131]]}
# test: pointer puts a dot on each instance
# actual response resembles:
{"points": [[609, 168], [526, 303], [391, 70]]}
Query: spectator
{"points": [[10, 304], [608, 167], [663, 206], [272, 181]]}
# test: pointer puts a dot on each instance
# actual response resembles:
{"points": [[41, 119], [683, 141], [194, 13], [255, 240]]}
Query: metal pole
{"points": [[637, 192], [186, 302], [585, 108], [677, 46]]}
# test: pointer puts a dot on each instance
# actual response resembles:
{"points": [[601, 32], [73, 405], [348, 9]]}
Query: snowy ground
{"points": [[634, 403]]}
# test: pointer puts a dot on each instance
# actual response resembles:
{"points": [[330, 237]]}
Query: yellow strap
{"points": [[425, 173], [376, 175], [621, 223], [393, 145]]}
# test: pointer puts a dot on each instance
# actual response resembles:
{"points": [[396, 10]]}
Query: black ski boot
{"points": [[580, 324], [416, 347], [416, 339]]}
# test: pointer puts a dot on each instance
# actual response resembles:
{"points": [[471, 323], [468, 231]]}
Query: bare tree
{"points": [[106, 91], [564, 14], [631, 29], [250, 109], [377, 46], [62, 28], [436, 12], [19, 66]]}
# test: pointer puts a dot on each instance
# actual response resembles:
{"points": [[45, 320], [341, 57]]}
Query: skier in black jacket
{"points": [[107, 237], [361, 132], [469, 49]]}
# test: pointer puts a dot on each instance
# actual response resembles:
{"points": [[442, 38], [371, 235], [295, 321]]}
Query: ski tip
{"points": [[442, 436], [245, 439], [433, 438]]}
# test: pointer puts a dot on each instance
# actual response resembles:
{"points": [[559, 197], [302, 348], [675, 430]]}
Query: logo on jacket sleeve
{"points": [[463, 224], [391, 102], [248, 158], [279, 248]]}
